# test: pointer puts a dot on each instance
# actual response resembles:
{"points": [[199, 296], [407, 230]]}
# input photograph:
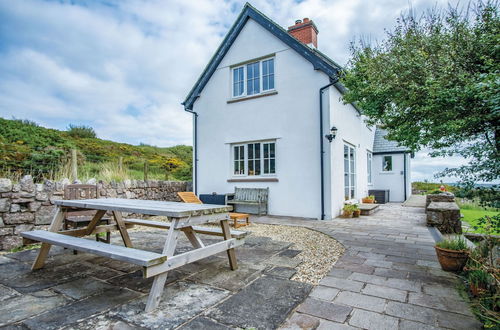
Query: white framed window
{"points": [[254, 159], [369, 159], [253, 78], [387, 164], [269, 157], [239, 160], [238, 81], [349, 172]]}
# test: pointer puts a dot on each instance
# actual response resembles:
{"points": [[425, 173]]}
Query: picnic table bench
{"points": [[183, 218]]}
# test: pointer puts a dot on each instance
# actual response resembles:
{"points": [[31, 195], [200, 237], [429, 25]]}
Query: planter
{"points": [[347, 214], [452, 260], [356, 213], [477, 288], [367, 201]]}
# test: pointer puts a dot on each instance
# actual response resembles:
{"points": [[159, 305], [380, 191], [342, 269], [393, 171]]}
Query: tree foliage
{"points": [[434, 83], [81, 131]]}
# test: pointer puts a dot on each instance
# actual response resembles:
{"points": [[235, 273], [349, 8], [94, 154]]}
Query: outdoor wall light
{"points": [[333, 133]]}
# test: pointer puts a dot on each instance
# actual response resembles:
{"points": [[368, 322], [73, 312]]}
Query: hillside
{"points": [[27, 148]]}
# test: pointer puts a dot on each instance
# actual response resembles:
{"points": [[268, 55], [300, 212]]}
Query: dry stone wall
{"points": [[27, 205]]}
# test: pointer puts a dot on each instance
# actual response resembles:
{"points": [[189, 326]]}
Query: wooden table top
{"points": [[149, 207]]}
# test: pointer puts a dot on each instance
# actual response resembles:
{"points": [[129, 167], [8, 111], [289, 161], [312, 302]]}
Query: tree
{"points": [[81, 131], [434, 83]]}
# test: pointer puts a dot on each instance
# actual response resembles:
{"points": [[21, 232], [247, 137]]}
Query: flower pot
{"points": [[367, 200], [451, 260], [477, 288], [356, 213], [347, 214]]}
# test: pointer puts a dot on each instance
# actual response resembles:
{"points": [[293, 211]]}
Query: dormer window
{"points": [[253, 78]]}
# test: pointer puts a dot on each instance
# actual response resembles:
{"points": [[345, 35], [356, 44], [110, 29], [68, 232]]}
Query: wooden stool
{"points": [[238, 216]]}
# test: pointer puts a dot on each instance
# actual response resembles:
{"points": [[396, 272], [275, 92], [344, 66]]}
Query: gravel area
{"points": [[319, 251]]}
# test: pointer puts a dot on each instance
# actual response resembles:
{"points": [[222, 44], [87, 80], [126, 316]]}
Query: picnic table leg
{"points": [[195, 240], [159, 281], [122, 228], [231, 254], [55, 225]]}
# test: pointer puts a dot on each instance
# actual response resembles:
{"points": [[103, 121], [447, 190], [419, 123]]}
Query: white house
{"points": [[267, 113]]}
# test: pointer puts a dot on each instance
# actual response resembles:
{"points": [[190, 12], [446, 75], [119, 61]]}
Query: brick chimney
{"points": [[305, 31]]}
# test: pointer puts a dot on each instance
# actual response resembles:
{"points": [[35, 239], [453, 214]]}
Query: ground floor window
{"points": [[259, 157], [349, 171], [387, 163]]}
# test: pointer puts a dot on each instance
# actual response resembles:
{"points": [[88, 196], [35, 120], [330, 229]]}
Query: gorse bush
{"points": [[81, 131]]}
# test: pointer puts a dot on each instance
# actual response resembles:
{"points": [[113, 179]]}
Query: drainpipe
{"points": [[404, 173], [322, 149], [195, 149]]}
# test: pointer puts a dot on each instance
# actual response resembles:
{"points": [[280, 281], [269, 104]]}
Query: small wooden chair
{"points": [[190, 197], [76, 219]]}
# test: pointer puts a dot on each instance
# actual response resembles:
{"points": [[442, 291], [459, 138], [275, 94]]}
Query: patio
{"points": [[388, 278]]}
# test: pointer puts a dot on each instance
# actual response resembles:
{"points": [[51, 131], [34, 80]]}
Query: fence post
{"points": [[120, 164], [146, 170], [74, 165]]}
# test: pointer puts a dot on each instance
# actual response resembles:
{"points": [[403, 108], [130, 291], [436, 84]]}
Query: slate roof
{"points": [[382, 145], [318, 60]]}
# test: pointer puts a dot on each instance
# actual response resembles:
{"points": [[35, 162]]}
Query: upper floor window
{"points": [[259, 158], [253, 78]]}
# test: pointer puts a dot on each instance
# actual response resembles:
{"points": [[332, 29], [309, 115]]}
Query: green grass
{"points": [[472, 214]]}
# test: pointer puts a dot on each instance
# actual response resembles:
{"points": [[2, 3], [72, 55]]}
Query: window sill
{"points": [[244, 98], [387, 172], [247, 179]]}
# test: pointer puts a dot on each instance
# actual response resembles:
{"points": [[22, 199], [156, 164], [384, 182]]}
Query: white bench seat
{"points": [[197, 229], [122, 253]]}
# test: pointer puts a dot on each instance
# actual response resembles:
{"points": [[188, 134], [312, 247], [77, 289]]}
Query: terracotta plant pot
{"points": [[356, 214], [347, 214], [477, 288], [367, 201], [452, 260]]}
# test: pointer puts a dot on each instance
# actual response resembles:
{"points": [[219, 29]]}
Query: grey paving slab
{"points": [[370, 320], [324, 293], [300, 321], [340, 283], [203, 323], [361, 301], [82, 288], [385, 292], [325, 310], [264, 304]]}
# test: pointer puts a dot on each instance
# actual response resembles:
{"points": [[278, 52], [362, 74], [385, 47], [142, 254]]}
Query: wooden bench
{"points": [[367, 209], [190, 197], [251, 196], [121, 253], [197, 229]]}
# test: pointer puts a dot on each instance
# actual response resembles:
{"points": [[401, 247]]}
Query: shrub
{"points": [[81, 131], [457, 244]]}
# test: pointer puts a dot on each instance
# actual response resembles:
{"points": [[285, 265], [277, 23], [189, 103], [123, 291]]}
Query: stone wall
{"points": [[26, 205], [443, 213]]}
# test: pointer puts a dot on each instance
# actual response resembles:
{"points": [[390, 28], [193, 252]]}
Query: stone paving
{"points": [[388, 278], [89, 292]]}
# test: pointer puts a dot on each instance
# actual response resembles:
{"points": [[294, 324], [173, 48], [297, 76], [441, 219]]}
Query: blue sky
{"points": [[124, 67]]}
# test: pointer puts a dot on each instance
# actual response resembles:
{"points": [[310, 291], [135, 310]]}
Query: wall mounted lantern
{"points": [[333, 133]]}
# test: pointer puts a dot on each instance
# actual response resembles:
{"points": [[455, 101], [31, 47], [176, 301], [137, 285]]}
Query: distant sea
{"points": [[484, 185]]}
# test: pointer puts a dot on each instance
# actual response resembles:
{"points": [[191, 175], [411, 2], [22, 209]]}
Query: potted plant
{"points": [[368, 199], [452, 254], [348, 210], [356, 212], [478, 281]]}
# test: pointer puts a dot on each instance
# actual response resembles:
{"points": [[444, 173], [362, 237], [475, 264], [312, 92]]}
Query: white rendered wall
{"points": [[291, 117], [352, 130], [393, 180]]}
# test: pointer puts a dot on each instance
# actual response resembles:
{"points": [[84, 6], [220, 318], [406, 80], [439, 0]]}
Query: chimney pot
{"points": [[305, 31]]}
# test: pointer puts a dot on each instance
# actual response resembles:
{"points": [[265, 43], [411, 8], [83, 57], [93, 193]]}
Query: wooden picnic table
{"points": [[183, 217]]}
